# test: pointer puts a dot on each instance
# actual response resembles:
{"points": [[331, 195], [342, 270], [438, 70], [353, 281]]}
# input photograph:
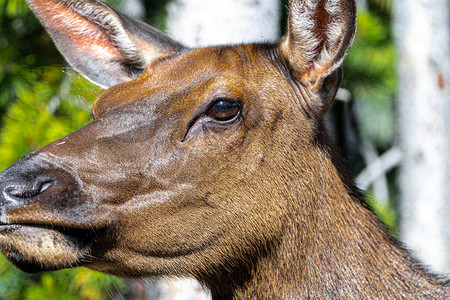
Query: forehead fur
{"points": [[209, 70]]}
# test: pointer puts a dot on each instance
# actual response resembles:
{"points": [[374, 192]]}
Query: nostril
{"points": [[45, 186], [23, 190], [22, 193]]}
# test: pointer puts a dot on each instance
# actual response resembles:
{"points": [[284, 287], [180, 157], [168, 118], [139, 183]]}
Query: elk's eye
{"points": [[224, 110]]}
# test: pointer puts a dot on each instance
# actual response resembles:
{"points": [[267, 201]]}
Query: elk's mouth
{"points": [[36, 248]]}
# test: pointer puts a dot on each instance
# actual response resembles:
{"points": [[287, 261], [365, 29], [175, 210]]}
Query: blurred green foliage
{"points": [[52, 105], [24, 50], [385, 212], [74, 284], [370, 74], [40, 101]]}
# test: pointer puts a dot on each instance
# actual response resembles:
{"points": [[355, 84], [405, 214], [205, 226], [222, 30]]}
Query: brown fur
{"points": [[258, 207]]}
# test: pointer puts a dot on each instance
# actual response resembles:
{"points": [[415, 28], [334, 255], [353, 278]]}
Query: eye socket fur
{"points": [[224, 110]]}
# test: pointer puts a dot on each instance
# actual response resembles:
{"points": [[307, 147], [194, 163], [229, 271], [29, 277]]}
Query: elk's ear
{"points": [[320, 33], [102, 44]]}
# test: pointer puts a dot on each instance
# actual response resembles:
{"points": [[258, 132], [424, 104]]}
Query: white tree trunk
{"points": [[213, 22], [201, 23], [423, 38], [133, 8]]}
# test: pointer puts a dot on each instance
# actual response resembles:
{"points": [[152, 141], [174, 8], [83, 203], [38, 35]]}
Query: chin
{"points": [[36, 249]]}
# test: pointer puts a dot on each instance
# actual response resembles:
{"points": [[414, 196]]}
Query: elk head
{"points": [[195, 158]]}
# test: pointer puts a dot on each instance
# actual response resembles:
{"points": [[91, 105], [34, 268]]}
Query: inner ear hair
{"points": [[320, 33]]}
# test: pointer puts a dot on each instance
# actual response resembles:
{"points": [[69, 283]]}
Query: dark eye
{"points": [[224, 110]]}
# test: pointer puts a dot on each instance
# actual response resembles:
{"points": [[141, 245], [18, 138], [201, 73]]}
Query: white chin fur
{"points": [[47, 248]]}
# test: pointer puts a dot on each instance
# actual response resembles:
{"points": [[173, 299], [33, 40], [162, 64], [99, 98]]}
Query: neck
{"points": [[333, 247]]}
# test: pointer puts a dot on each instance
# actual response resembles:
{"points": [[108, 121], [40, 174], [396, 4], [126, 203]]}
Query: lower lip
{"points": [[5, 228]]}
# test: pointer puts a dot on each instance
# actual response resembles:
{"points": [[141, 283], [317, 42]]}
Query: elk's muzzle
{"points": [[41, 227]]}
